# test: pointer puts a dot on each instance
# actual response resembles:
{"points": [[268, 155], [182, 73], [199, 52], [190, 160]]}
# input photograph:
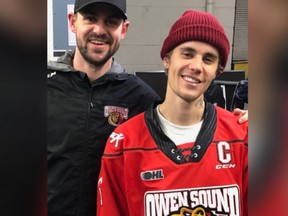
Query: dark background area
{"points": [[23, 108]]}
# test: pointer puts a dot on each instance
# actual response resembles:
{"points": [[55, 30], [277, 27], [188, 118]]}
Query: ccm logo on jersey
{"points": [[224, 156], [152, 175]]}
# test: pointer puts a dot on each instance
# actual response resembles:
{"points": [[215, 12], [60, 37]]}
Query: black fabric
{"points": [[78, 130], [169, 148], [23, 121]]}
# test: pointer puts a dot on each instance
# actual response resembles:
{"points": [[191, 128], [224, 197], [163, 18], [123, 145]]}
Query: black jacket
{"points": [[81, 116]]}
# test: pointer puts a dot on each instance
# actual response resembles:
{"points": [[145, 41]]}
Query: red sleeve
{"points": [[111, 187]]}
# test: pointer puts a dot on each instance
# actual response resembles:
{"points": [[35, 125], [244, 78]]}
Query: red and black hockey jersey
{"points": [[144, 173]]}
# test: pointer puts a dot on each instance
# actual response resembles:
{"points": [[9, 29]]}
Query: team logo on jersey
{"points": [[152, 175], [224, 154], [116, 115], [197, 211], [209, 201]]}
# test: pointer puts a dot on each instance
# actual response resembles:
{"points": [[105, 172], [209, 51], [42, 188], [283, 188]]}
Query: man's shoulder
{"points": [[138, 81], [228, 118], [133, 121], [63, 63], [228, 127], [138, 86]]}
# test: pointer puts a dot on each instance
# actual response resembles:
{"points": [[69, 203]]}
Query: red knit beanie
{"points": [[197, 26]]}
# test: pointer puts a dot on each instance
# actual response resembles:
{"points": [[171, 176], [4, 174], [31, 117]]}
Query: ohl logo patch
{"points": [[116, 115], [152, 175]]}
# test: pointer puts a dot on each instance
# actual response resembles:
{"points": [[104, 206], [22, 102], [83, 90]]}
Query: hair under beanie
{"points": [[197, 26]]}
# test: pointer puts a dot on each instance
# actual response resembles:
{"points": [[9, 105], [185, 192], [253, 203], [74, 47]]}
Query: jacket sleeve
{"points": [[111, 192]]}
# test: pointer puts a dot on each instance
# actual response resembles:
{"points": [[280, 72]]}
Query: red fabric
{"points": [[220, 187]]}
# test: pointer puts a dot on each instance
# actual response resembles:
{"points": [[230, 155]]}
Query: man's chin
{"points": [[98, 60]]}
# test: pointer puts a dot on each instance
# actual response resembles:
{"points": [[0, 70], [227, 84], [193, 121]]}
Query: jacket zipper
{"points": [[86, 144]]}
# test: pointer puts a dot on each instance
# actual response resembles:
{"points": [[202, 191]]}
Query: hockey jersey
{"points": [[144, 173]]}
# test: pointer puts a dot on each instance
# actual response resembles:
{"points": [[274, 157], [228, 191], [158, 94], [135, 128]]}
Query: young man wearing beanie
{"points": [[89, 94], [184, 156]]}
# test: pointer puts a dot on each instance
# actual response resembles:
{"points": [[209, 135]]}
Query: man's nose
{"points": [[196, 64], [99, 28]]}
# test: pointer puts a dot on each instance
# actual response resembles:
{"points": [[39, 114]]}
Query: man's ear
{"points": [[72, 21], [166, 62], [125, 29]]}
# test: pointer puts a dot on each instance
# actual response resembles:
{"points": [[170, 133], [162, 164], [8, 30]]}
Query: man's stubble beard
{"points": [[98, 63]]}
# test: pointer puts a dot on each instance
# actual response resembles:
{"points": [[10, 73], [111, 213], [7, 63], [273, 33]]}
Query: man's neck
{"points": [[181, 112]]}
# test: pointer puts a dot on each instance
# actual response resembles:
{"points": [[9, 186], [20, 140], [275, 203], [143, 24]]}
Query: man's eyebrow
{"points": [[115, 15], [213, 55], [189, 49]]}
